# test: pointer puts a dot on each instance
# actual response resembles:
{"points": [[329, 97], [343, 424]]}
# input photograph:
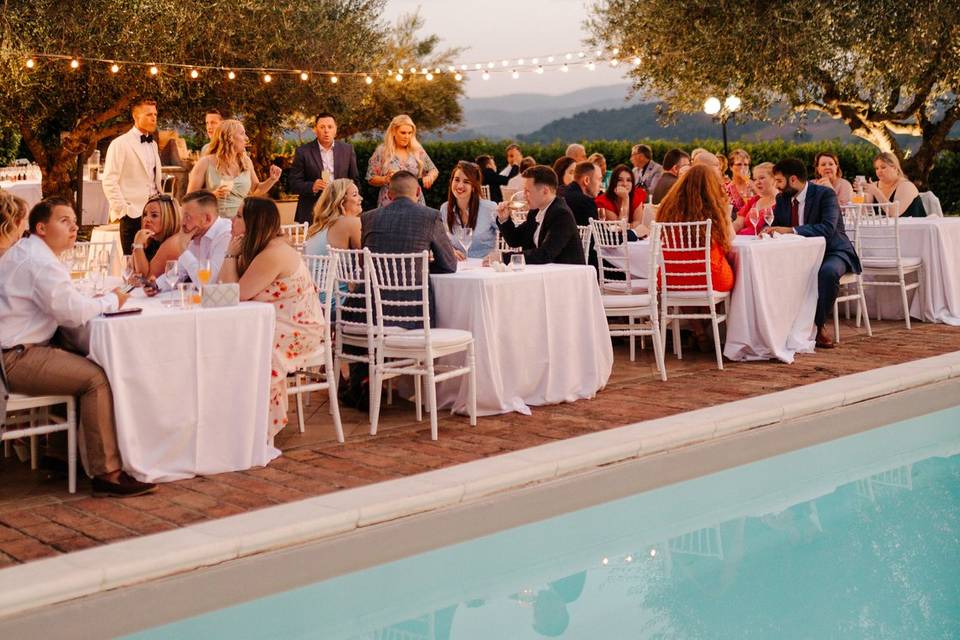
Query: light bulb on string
{"points": [[368, 80], [520, 61], [540, 70], [490, 65], [429, 77], [194, 74], [581, 54], [504, 63], [515, 74], [398, 77], [591, 66], [477, 66], [154, 70], [424, 71], [334, 79], [463, 67], [30, 63], [550, 59], [114, 68], [231, 75], [614, 62], [535, 61], [569, 56], [413, 69], [304, 76], [565, 68], [599, 52], [486, 75], [636, 61], [616, 51], [74, 63], [451, 68], [458, 77], [267, 78]]}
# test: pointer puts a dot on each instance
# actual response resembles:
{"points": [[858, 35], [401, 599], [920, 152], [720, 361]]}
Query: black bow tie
{"points": [[146, 138]]}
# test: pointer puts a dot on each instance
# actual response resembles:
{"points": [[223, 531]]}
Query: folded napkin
{"points": [[220, 295]]}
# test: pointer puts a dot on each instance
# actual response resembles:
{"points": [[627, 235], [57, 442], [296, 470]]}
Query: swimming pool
{"points": [[854, 538]]}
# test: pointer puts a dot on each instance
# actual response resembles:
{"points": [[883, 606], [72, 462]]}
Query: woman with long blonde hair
{"points": [[13, 219], [336, 219], [893, 186], [400, 151], [228, 171]]}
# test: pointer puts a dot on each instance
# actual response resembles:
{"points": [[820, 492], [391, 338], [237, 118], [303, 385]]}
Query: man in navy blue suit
{"points": [[811, 210]]}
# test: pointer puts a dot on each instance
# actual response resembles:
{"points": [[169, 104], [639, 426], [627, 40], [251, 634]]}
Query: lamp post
{"points": [[722, 111]]}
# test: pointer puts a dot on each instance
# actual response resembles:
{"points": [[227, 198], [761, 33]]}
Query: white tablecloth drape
{"points": [[187, 400], [95, 207], [774, 298], [541, 335], [30, 191], [937, 242]]}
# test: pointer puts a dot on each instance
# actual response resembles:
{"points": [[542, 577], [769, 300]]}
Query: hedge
{"points": [[855, 159]]}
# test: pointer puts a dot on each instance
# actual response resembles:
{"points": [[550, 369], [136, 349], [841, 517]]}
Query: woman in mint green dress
{"points": [[227, 170]]}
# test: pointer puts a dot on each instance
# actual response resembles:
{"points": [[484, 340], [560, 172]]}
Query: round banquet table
{"points": [[771, 308], [936, 241], [187, 401], [541, 335]]}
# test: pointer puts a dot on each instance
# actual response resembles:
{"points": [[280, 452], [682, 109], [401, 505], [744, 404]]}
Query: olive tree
{"points": [[885, 67]]}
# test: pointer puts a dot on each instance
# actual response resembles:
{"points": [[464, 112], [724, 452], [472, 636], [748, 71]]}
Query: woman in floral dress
{"points": [[268, 269], [400, 151]]}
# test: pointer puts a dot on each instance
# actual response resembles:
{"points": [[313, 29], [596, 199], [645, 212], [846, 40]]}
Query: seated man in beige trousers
{"points": [[36, 298]]}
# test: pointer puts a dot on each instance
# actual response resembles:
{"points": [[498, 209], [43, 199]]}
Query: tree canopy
{"points": [[883, 67], [62, 112]]}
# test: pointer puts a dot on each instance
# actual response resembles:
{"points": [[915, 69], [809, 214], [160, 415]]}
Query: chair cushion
{"points": [[889, 263], [636, 285], [623, 302], [441, 338], [361, 330], [697, 295]]}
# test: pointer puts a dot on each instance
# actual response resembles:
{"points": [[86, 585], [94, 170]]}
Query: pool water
{"points": [[856, 538]]}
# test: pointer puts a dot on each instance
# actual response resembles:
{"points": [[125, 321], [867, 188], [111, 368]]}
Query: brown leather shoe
{"points": [[823, 340], [125, 487]]}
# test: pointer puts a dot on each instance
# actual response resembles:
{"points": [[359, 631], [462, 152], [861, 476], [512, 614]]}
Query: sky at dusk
{"points": [[493, 30]]}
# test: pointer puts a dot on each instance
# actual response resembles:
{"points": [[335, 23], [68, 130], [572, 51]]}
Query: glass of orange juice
{"points": [[204, 272]]}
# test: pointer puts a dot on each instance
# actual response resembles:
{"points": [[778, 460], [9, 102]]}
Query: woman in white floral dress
{"points": [[268, 269]]}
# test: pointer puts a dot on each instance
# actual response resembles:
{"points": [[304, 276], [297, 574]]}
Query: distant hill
{"points": [[639, 122]]}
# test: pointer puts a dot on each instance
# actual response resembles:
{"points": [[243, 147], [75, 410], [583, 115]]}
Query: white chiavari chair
{"points": [[296, 234], [878, 233]]}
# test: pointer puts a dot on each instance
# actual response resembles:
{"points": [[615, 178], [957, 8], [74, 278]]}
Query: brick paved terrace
{"points": [[38, 518]]}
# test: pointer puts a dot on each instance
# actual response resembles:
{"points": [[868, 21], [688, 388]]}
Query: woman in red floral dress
{"points": [[268, 269]]}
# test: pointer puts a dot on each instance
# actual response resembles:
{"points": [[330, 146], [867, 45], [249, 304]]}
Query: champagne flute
{"points": [[465, 237], [754, 217], [768, 216], [171, 272]]}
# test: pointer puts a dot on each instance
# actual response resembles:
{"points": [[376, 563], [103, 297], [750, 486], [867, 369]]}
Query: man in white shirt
{"points": [[36, 298], [132, 171], [514, 157], [203, 238]]}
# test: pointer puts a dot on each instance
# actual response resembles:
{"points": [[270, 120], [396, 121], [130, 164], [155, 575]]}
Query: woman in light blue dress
{"points": [[400, 151], [227, 170], [336, 222], [464, 208]]}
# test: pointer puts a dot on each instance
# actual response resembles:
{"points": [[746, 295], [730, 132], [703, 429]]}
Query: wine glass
{"points": [[517, 262], [171, 272], [128, 269], [103, 266], [465, 238], [518, 206], [768, 216], [754, 217]]}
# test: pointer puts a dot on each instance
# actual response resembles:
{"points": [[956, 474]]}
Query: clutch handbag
{"points": [[220, 295]]}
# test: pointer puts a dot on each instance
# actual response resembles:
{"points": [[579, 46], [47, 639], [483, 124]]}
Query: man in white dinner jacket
{"points": [[132, 171]]}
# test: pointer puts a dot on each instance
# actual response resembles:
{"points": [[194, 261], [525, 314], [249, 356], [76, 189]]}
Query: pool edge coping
{"points": [[82, 573]]}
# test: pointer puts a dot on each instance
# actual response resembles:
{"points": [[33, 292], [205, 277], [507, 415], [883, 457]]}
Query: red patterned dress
{"points": [[298, 333]]}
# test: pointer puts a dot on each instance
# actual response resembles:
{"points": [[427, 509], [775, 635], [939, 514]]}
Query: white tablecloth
{"points": [[774, 298], [541, 335], [95, 207], [30, 191], [937, 242], [187, 400]]}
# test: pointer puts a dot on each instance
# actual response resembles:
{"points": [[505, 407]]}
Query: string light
{"points": [[334, 79], [398, 77], [463, 67], [486, 76], [520, 61], [477, 66], [194, 74], [429, 77], [74, 63], [458, 77], [267, 77], [550, 59], [490, 65], [591, 66], [540, 70], [504, 63], [569, 56], [565, 68], [368, 80], [636, 61], [304, 76], [30, 63], [114, 68], [231, 76], [614, 62], [535, 61], [515, 74], [154, 71], [413, 69], [581, 54]]}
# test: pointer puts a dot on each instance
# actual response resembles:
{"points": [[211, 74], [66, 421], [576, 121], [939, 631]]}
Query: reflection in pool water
{"points": [[857, 538]]}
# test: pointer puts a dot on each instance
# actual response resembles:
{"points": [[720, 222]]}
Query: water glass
{"points": [[171, 272], [517, 262], [189, 294], [465, 238]]}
